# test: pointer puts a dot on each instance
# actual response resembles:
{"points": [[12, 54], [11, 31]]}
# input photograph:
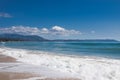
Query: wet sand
{"points": [[14, 76], [5, 59]]}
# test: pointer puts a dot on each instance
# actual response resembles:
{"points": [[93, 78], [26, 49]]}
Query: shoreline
{"points": [[55, 67], [61, 54], [5, 64]]}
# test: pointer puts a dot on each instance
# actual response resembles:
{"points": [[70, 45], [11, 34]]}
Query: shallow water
{"points": [[99, 49]]}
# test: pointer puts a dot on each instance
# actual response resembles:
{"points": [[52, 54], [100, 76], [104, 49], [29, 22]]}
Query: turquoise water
{"points": [[100, 49]]}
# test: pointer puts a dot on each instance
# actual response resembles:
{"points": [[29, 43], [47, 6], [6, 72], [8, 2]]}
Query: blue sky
{"points": [[94, 19]]}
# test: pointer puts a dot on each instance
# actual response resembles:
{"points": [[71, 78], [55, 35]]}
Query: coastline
{"points": [[55, 67], [7, 62]]}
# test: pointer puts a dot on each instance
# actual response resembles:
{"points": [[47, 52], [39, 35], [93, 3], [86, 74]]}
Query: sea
{"points": [[79, 48]]}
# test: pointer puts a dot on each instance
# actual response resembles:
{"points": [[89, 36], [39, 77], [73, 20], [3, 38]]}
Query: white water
{"points": [[85, 68]]}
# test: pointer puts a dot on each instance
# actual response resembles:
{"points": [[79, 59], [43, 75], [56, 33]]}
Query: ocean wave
{"points": [[85, 68]]}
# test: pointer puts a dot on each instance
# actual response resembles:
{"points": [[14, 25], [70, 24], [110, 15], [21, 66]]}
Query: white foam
{"points": [[85, 68]]}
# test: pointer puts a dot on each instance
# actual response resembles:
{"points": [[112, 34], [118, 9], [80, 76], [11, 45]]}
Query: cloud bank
{"points": [[26, 30], [5, 15]]}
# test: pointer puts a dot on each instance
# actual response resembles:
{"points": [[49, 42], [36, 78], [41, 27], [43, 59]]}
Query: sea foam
{"points": [[85, 68]]}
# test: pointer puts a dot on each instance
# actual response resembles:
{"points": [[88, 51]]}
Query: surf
{"points": [[82, 67]]}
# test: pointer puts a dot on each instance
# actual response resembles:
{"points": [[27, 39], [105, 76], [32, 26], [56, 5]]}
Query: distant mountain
{"points": [[18, 37]]}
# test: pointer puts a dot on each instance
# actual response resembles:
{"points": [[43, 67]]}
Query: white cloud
{"points": [[44, 30], [20, 30], [5, 15], [58, 28], [26, 30]]}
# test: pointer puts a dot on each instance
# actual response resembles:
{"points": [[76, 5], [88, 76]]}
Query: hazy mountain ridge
{"points": [[19, 37]]}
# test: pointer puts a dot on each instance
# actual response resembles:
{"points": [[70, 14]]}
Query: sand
{"points": [[14, 76], [4, 59]]}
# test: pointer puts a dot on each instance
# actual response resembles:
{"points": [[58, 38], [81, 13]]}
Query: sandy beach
{"points": [[14, 76], [5, 59]]}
